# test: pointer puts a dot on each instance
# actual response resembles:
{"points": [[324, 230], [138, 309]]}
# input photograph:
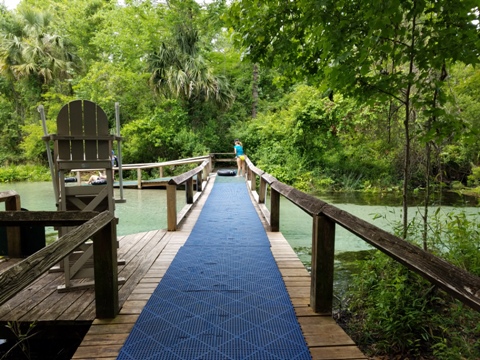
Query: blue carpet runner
{"points": [[223, 296]]}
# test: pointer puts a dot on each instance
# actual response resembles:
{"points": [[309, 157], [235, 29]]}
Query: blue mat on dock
{"points": [[223, 296]]}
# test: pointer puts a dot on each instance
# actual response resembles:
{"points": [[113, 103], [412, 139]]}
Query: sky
{"points": [[11, 4]]}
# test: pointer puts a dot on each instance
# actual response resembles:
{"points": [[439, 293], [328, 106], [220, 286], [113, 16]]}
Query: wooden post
{"points": [[106, 272], [323, 254], [171, 207], [12, 203], [200, 181], [262, 191], [139, 178], [253, 181], [274, 210], [189, 190], [206, 171], [160, 171]]}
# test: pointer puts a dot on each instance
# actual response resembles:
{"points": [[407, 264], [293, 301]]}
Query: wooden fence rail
{"points": [[459, 283], [201, 173], [93, 225], [147, 166]]}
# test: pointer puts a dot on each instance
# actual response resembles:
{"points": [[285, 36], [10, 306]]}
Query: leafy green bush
{"points": [[394, 311], [16, 173]]}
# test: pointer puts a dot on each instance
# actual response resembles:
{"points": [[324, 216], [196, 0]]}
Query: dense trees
{"points": [[396, 51], [325, 95], [329, 90]]}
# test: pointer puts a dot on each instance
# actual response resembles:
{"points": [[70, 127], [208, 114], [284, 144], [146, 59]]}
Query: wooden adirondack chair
{"points": [[82, 142]]}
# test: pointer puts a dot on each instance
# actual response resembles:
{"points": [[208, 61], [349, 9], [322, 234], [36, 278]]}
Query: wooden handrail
{"points": [[45, 218], [99, 227], [201, 171], [180, 179], [459, 283]]}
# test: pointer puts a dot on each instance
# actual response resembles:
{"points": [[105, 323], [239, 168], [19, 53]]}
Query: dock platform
{"points": [[147, 258]]}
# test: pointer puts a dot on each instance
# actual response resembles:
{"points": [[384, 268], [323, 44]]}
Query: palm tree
{"points": [[29, 50], [178, 69]]}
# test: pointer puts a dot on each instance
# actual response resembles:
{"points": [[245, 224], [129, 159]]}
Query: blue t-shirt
{"points": [[239, 150]]}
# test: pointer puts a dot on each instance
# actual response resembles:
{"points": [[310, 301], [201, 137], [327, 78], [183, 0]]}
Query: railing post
{"points": [[139, 178], [200, 180], [171, 207], [253, 181], [262, 191], [323, 256], [12, 203], [274, 210], [106, 272], [207, 170], [189, 190], [160, 172]]}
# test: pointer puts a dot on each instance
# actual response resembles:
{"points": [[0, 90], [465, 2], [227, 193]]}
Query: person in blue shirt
{"points": [[240, 155]]}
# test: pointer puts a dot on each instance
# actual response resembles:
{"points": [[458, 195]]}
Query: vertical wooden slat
{"points": [[13, 232], [171, 207], [189, 190], [76, 129], [323, 256], [274, 210], [106, 272], [262, 191], [200, 181], [139, 178], [90, 126], [206, 171], [253, 181], [160, 172], [62, 147], [104, 147]]}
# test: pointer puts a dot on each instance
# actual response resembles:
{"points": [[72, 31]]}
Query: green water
{"points": [[381, 210], [146, 209]]}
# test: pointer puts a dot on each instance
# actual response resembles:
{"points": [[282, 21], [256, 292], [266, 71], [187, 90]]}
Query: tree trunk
{"points": [[255, 91], [406, 170]]}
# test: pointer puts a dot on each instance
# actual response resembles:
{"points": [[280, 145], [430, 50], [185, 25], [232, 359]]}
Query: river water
{"points": [[146, 209]]}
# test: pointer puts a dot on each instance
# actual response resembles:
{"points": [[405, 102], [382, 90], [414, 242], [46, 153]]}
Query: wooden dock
{"points": [[147, 257]]}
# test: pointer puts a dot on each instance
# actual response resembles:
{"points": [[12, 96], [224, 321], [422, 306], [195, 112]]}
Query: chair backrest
{"points": [[83, 135]]}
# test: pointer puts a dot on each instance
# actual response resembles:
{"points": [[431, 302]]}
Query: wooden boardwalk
{"points": [[147, 257]]}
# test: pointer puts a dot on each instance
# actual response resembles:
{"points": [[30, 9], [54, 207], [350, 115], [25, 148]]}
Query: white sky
{"points": [[10, 4]]}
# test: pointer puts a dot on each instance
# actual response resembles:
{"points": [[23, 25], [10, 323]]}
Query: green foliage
{"points": [[474, 177], [454, 236], [33, 146], [164, 135], [22, 337], [108, 83], [395, 311], [14, 173]]}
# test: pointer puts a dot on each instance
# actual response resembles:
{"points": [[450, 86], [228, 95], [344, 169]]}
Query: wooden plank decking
{"points": [[147, 257]]}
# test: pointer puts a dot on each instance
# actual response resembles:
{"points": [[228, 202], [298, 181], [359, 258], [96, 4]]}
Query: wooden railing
{"points": [[12, 203], [147, 166], [459, 283], [201, 173], [92, 225]]}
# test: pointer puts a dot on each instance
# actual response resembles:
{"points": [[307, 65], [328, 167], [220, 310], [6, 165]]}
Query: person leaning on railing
{"points": [[240, 155]]}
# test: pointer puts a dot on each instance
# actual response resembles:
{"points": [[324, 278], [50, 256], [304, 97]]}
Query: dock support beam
{"points": [[274, 210], [323, 253], [171, 207], [106, 272]]}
